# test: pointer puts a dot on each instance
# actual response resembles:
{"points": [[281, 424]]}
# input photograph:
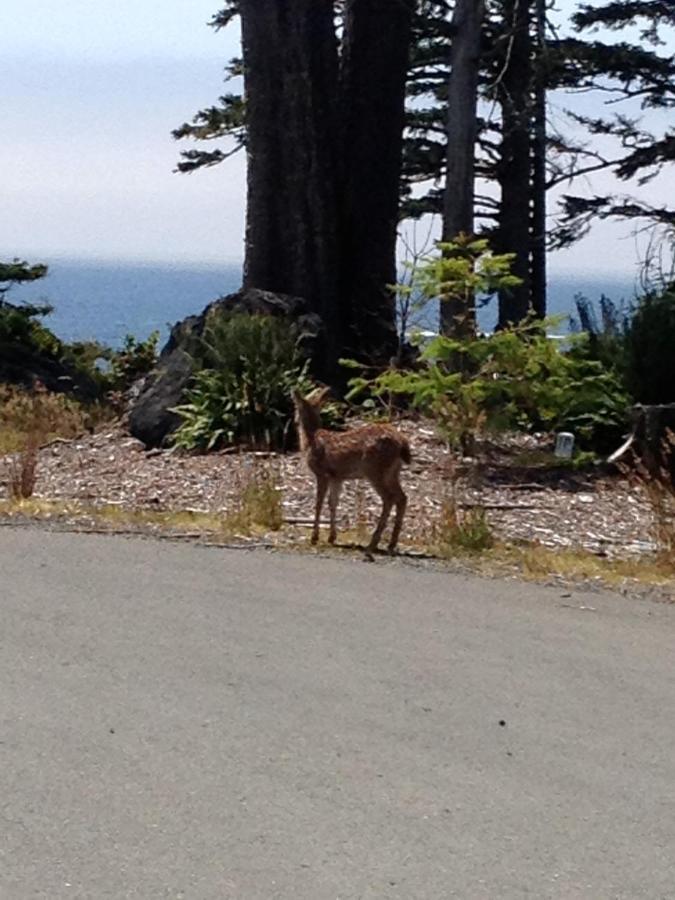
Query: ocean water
{"points": [[106, 301]]}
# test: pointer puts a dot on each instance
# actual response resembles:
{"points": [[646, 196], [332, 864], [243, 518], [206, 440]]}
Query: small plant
{"points": [[27, 420], [258, 502], [31, 418], [468, 531], [134, 360], [516, 378], [659, 489], [36, 416], [247, 367], [23, 473]]}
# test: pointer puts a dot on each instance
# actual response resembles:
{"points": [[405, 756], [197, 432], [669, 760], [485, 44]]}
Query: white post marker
{"points": [[564, 445]]}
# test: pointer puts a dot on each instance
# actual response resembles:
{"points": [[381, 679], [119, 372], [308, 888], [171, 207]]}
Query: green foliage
{"points": [[26, 342], [651, 348], [135, 359], [246, 368], [606, 331], [463, 269], [18, 272], [515, 378], [19, 328]]}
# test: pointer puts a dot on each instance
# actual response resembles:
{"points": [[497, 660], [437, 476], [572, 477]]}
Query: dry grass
{"points": [[258, 500], [28, 419], [455, 532], [256, 508], [541, 563], [31, 418], [658, 488], [23, 471]]}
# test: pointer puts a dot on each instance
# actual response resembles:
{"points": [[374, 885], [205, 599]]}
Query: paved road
{"points": [[178, 721]]}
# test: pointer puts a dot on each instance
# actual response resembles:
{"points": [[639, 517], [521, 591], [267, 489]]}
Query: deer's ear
{"points": [[318, 396], [296, 396]]}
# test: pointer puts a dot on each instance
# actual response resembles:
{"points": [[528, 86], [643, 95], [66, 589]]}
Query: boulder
{"points": [[150, 416]]}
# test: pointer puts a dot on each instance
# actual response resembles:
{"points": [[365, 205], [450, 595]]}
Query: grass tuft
{"points": [[454, 532]]}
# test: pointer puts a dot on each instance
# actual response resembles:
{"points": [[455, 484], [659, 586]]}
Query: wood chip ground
{"points": [[599, 513]]}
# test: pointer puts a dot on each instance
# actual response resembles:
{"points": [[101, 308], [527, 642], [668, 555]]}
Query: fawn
{"points": [[373, 452]]}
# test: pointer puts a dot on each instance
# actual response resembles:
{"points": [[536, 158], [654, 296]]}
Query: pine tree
{"points": [[322, 124], [628, 72]]}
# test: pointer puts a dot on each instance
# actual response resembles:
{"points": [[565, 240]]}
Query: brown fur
{"points": [[372, 452]]}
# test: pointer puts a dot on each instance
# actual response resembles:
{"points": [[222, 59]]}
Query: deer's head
{"points": [[308, 413]]}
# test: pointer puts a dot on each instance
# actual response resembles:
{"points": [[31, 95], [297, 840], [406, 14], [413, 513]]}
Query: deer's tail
{"points": [[406, 455]]}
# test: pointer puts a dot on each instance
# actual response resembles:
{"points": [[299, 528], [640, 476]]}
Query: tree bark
{"points": [[456, 318], [514, 167], [291, 76], [376, 44], [538, 207]]}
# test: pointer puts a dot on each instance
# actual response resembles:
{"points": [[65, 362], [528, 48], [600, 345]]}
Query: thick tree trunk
{"points": [[376, 45], [458, 211], [538, 207], [291, 75], [514, 167]]}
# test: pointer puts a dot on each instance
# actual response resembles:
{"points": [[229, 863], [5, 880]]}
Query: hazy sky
{"points": [[91, 92]]}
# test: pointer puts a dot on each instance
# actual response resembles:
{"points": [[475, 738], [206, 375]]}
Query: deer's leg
{"points": [[321, 488], [387, 503], [333, 500], [401, 501]]}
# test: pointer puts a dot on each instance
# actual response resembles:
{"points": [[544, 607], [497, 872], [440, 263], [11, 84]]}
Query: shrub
{"points": [[515, 378], [29, 418], [651, 348], [35, 416], [19, 328], [606, 330], [658, 488], [247, 367], [134, 360], [452, 532]]}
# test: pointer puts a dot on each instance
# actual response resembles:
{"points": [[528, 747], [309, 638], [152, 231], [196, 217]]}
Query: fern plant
{"points": [[246, 368]]}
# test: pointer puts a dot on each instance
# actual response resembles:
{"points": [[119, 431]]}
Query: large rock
{"points": [[150, 416]]}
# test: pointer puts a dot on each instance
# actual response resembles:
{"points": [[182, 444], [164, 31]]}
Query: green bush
{"points": [[134, 360], [651, 348], [606, 329], [515, 378], [247, 367], [19, 328]]}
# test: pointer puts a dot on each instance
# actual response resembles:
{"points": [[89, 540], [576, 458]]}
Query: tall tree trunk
{"points": [[291, 76], [514, 167], [376, 44], [538, 207], [458, 208]]}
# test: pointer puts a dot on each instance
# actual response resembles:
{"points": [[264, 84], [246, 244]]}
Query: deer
{"points": [[374, 453]]}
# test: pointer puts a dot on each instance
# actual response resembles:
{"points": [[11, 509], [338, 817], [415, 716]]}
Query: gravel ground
{"points": [[600, 513]]}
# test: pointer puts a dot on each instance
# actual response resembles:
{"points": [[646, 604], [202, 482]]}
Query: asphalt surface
{"points": [[179, 721]]}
